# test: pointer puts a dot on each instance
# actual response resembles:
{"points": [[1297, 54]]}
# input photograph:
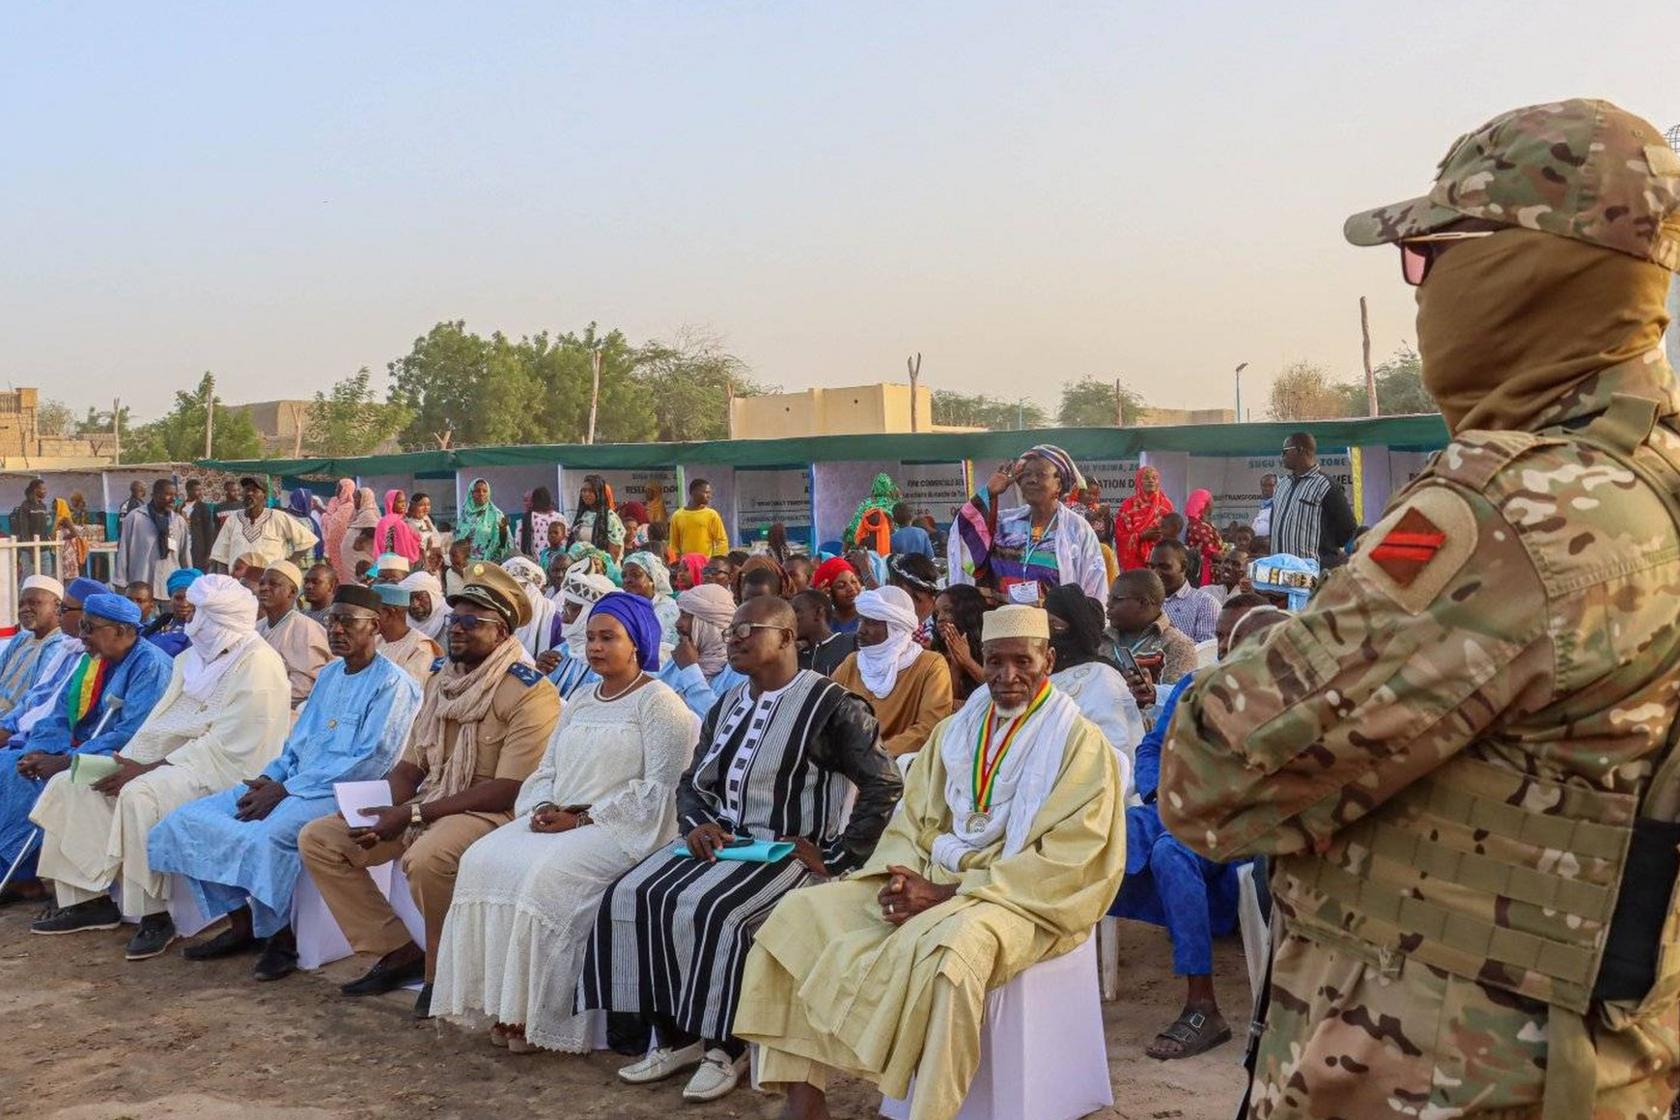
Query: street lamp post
{"points": [[1240, 367]]}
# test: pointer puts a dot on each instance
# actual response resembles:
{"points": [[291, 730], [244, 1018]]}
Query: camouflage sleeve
{"points": [[1430, 635]]}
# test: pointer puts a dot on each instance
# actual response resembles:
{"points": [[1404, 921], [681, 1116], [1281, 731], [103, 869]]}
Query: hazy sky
{"points": [[1024, 192]]}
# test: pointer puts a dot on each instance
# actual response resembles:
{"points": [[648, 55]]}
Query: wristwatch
{"points": [[414, 816]]}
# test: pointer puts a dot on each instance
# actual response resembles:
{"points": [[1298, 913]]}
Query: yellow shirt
{"points": [[698, 530]]}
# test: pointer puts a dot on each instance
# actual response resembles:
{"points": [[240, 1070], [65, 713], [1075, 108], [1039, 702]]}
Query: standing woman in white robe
{"points": [[603, 798]]}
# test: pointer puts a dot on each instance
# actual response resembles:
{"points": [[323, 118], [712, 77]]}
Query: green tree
{"points": [[445, 385], [981, 411], [98, 422], [54, 418], [349, 420], [689, 381], [1304, 391], [1399, 387], [561, 367], [1089, 403], [178, 436]]}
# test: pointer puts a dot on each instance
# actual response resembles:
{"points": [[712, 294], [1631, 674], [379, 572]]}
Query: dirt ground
{"points": [[84, 1035]]}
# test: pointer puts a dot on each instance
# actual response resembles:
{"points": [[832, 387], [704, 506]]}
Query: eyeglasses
{"points": [[1417, 254], [343, 621], [741, 631], [86, 628], [467, 622]]}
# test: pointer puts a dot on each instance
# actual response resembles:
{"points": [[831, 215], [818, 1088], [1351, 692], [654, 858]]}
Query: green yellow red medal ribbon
{"points": [[987, 765]]}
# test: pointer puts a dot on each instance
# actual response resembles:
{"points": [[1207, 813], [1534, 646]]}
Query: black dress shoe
{"points": [[155, 934], [95, 913], [224, 944], [382, 978], [423, 1004], [279, 957]]}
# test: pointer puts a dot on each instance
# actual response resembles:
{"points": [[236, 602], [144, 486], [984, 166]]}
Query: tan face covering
{"points": [[1508, 323]]}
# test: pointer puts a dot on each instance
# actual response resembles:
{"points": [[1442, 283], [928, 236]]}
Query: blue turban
{"points": [[391, 595], [84, 589], [114, 608], [182, 578], [636, 613]]}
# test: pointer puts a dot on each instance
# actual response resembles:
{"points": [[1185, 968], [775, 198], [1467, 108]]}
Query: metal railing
{"points": [[21, 559]]}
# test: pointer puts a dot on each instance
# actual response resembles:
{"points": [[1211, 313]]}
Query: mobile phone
{"points": [[1129, 668], [738, 842]]}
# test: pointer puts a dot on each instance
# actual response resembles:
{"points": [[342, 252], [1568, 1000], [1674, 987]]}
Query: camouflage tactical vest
{"points": [[1464, 872]]}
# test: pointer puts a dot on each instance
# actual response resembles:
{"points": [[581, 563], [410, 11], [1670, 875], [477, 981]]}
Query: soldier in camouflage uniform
{"points": [[1445, 752]]}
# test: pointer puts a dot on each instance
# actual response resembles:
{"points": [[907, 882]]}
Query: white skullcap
{"points": [[44, 583], [289, 570], [1015, 621], [526, 571]]}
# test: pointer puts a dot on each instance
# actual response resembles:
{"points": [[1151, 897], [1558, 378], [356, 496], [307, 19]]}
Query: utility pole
{"points": [[1240, 367], [209, 411], [116, 428], [915, 367], [595, 389], [1119, 406], [1370, 377]]}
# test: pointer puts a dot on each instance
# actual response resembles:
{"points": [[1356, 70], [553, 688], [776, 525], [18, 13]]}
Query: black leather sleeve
{"points": [[850, 744]]}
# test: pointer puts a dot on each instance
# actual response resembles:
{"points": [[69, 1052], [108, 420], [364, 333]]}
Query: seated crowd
{"points": [[640, 786]]}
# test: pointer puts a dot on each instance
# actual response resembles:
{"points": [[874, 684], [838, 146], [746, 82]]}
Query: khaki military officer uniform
{"points": [[1446, 752], [510, 742]]}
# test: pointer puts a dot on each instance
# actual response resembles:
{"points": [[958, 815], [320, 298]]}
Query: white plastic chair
{"points": [[320, 941], [1042, 1051]]}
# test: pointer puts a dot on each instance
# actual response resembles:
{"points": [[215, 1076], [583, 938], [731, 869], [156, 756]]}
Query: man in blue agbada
{"points": [[238, 848], [107, 696], [37, 635], [56, 666]]}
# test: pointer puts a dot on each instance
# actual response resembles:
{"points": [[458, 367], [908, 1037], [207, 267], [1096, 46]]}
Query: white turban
{"points": [[526, 571], [880, 664], [712, 608], [44, 583], [224, 620], [583, 588], [432, 624]]}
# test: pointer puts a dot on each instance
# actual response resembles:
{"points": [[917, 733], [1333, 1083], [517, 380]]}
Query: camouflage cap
{"points": [[1581, 169]]}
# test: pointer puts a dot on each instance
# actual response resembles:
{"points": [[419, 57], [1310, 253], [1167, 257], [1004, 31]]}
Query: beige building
{"points": [[883, 408], [281, 424], [1169, 417], [24, 447]]}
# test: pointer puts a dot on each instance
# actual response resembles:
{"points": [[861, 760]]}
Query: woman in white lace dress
{"points": [[602, 799]]}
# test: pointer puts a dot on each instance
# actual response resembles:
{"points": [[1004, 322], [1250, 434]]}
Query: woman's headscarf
{"points": [[533, 635], [1139, 514], [1200, 536], [696, 566], [655, 493], [636, 614], [1082, 640], [656, 570], [301, 505], [583, 589], [880, 664], [334, 523], [402, 540], [1066, 469], [599, 561], [432, 624], [481, 524], [633, 511], [883, 495], [828, 570], [711, 608], [365, 499]]}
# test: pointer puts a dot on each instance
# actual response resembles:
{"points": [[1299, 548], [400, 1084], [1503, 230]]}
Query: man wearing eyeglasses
{"points": [[1311, 517], [118, 680], [483, 724], [1460, 752]]}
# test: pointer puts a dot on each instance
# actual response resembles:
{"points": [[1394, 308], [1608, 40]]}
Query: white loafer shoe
{"points": [[660, 1063], [717, 1076]]}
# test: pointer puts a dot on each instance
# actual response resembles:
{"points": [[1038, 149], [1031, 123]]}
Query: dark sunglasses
{"points": [[1417, 254], [467, 622], [741, 631]]}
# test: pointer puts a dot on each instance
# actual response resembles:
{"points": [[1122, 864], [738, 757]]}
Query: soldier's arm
{"points": [[1433, 632]]}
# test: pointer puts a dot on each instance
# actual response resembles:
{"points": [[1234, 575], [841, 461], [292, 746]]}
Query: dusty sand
{"points": [[88, 1036]]}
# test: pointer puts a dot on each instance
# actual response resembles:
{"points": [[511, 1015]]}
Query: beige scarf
{"points": [[462, 697]]}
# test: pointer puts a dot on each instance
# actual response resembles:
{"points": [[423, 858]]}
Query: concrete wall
{"points": [[853, 410]]}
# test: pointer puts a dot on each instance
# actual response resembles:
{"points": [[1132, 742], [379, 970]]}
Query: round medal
{"points": [[977, 822]]}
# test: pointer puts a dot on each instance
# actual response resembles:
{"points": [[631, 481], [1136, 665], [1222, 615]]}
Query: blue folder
{"points": [[759, 851]]}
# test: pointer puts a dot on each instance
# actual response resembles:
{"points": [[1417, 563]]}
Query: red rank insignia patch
{"points": [[1408, 547]]}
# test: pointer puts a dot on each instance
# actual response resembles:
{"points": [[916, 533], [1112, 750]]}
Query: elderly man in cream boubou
{"points": [[222, 719], [1007, 848]]}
